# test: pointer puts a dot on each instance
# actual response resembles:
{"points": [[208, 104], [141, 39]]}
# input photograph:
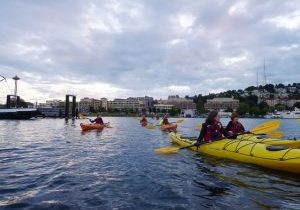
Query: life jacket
{"points": [[236, 128], [213, 132], [165, 121], [143, 120], [98, 120]]}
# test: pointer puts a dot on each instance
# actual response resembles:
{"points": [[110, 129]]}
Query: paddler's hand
{"points": [[197, 144]]}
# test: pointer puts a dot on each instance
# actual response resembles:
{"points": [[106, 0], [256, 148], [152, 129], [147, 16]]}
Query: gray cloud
{"points": [[129, 48]]}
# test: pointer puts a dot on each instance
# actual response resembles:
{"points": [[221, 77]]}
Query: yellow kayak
{"points": [[285, 159], [269, 141]]}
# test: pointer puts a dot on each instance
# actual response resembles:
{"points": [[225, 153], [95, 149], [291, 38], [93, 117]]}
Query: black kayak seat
{"points": [[276, 148]]}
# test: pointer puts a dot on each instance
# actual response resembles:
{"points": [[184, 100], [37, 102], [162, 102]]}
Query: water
{"points": [[50, 164]]}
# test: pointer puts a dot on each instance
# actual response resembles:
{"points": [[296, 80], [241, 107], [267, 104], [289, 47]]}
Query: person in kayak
{"points": [[165, 120], [155, 117], [144, 121], [212, 129], [97, 120], [234, 126]]}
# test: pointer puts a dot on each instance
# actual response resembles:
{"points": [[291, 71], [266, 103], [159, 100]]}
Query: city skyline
{"points": [[134, 48]]}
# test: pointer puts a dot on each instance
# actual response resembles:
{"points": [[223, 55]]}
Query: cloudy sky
{"points": [[146, 47]]}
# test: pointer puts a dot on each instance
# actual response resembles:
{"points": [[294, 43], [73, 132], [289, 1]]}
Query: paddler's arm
{"points": [[225, 133], [228, 127], [201, 135]]}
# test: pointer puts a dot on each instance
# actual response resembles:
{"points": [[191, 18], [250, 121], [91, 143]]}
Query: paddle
{"points": [[81, 116], [149, 126], [275, 134], [179, 121], [262, 128], [171, 150], [198, 127], [266, 127]]}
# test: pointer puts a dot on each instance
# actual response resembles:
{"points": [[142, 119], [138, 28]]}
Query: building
{"points": [[96, 105], [179, 103], [48, 111], [140, 104], [288, 103], [221, 104], [186, 106], [85, 105], [104, 103], [188, 113], [55, 103], [93, 105], [163, 107]]}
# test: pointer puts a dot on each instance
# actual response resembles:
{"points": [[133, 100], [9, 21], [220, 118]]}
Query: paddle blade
{"points": [[298, 120], [149, 126], [275, 134], [167, 150], [81, 116], [266, 127], [198, 127], [180, 121]]}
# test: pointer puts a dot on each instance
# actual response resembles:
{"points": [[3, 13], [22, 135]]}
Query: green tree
{"points": [[297, 104], [174, 112], [255, 111], [280, 107], [243, 108]]}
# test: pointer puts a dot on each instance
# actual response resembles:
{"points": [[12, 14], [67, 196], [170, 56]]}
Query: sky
{"points": [[118, 49]]}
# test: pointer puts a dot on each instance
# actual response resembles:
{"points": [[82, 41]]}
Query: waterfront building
{"points": [[163, 107], [179, 103], [221, 104], [104, 103], [55, 103], [85, 105], [140, 104]]}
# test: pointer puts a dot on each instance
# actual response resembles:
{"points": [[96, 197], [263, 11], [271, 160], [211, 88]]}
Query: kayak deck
{"points": [[247, 152], [269, 141]]}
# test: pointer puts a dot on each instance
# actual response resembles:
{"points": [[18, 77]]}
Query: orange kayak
{"points": [[169, 127], [91, 126]]}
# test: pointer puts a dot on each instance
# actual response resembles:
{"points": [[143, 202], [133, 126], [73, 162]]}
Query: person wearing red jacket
{"points": [[212, 129], [234, 126], [97, 120]]}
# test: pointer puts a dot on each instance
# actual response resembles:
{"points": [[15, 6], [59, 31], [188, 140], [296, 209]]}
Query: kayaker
{"points": [[155, 117], [234, 126], [212, 129], [97, 120], [143, 121], [165, 120]]}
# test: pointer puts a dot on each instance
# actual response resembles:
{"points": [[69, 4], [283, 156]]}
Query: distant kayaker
{"points": [[97, 120], [234, 126], [144, 120], [155, 117], [165, 120], [212, 129]]}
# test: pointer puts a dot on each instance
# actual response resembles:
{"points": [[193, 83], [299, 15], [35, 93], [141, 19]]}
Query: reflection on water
{"points": [[51, 164]]}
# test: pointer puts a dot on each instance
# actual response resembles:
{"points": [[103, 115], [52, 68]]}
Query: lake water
{"points": [[51, 164]]}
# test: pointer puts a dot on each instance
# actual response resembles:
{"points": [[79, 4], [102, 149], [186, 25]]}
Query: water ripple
{"points": [[51, 164]]}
